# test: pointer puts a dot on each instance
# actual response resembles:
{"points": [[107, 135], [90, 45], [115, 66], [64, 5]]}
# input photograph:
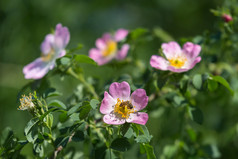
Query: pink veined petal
{"points": [[120, 90], [62, 37], [191, 50], [96, 55], [138, 118], [178, 70], [120, 34], [112, 119], [47, 44], [101, 44], [37, 69], [139, 99], [107, 104], [106, 37], [159, 62], [197, 60], [123, 52], [171, 49]]}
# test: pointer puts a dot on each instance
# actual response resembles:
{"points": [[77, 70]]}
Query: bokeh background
{"points": [[24, 24]]}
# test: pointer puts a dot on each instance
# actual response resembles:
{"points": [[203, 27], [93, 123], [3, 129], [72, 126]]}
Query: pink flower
{"points": [[177, 59], [52, 48], [120, 107], [227, 17], [107, 48]]}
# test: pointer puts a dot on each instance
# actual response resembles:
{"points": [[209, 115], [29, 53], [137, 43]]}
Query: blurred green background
{"points": [[24, 24]]}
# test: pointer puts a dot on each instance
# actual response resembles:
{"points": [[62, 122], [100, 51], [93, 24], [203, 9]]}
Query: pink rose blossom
{"points": [[227, 17], [177, 59], [52, 48], [107, 47], [120, 107]]}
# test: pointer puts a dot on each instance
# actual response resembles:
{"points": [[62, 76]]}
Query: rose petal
{"points": [[159, 62], [96, 55], [174, 69], [120, 34], [47, 44], [138, 118], [101, 44], [171, 49], [62, 53], [37, 69], [191, 50], [197, 60], [121, 54], [112, 119], [107, 104], [139, 99], [62, 37], [120, 90]]}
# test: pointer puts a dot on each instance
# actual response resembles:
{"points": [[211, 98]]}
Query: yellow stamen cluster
{"points": [[110, 49], [178, 62], [26, 102], [49, 56], [123, 109]]}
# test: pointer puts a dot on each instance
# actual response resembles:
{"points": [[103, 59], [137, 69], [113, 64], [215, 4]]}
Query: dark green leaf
{"points": [[120, 144], [30, 125], [196, 114], [63, 117], [124, 128], [84, 111], [78, 136], [222, 81], [84, 59]]}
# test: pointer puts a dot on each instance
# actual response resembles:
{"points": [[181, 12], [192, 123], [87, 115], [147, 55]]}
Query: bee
{"points": [[127, 104]]}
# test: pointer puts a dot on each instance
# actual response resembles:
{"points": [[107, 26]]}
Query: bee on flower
{"points": [[108, 49], [52, 47], [177, 59], [121, 106]]}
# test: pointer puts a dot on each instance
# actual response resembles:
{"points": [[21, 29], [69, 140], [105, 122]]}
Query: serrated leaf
{"points": [[197, 81], [73, 109], [84, 59], [57, 103], [222, 81], [120, 144]]}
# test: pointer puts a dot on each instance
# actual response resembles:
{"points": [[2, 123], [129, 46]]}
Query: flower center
{"points": [[178, 62], [123, 109], [110, 49], [49, 56], [26, 102]]}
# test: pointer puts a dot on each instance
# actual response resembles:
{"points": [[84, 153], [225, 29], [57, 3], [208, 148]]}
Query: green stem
{"points": [[81, 78]]}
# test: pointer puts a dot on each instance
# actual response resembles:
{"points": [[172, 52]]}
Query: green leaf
{"points": [[145, 137], [163, 35], [84, 111], [149, 151], [78, 136], [65, 60], [212, 85], [57, 103], [222, 81], [197, 81], [196, 114], [137, 33], [63, 117], [30, 125], [94, 103], [73, 109], [124, 128], [120, 144], [84, 59]]}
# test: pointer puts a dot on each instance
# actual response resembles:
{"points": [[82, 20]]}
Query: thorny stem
{"points": [[81, 78]]}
